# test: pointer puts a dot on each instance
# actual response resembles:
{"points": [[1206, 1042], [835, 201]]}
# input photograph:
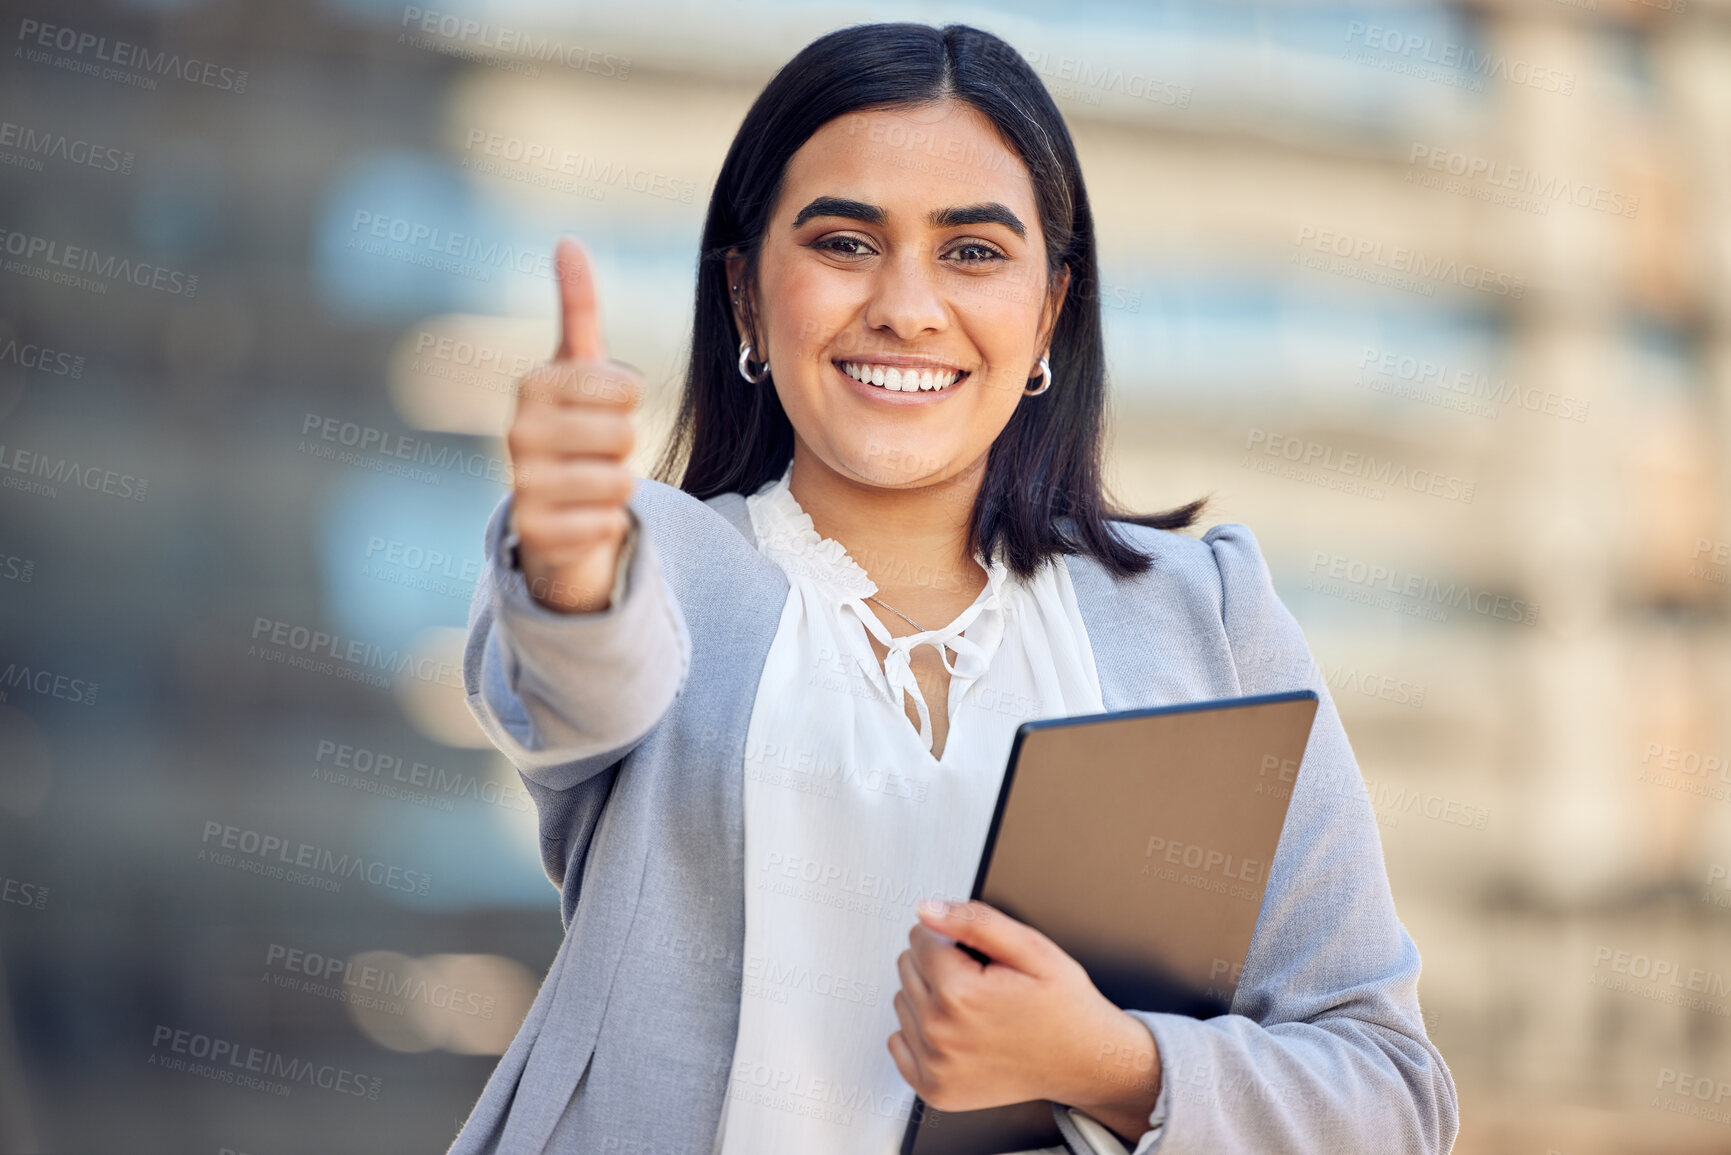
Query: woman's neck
{"points": [[911, 542]]}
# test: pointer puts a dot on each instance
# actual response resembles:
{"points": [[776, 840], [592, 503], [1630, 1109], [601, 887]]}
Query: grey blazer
{"points": [[629, 729]]}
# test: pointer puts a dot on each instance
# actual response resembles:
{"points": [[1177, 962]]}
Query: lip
{"points": [[903, 361], [882, 396]]}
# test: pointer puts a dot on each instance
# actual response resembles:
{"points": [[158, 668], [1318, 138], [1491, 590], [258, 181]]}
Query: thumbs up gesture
{"points": [[569, 439]]}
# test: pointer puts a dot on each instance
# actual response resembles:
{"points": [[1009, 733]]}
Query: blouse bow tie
{"points": [[969, 661]]}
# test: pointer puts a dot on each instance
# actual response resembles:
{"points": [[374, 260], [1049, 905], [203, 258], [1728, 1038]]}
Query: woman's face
{"points": [[906, 244]]}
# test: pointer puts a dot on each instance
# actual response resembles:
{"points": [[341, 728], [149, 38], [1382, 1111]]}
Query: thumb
{"points": [[580, 321], [989, 931]]}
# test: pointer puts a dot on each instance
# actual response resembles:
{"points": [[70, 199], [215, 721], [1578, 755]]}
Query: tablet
{"points": [[1140, 842]]}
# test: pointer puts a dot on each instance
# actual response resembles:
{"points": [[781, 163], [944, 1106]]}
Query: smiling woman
{"points": [[759, 776]]}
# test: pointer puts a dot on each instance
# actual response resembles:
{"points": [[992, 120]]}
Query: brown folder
{"points": [[1140, 842]]}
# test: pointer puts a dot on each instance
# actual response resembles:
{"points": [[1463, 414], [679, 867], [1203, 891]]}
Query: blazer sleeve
{"points": [[1324, 1051], [566, 695]]}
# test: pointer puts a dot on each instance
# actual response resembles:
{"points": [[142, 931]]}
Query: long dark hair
{"points": [[1042, 493]]}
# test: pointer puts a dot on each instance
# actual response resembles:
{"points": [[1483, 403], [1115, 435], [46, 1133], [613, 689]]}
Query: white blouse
{"points": [[849, 820]]}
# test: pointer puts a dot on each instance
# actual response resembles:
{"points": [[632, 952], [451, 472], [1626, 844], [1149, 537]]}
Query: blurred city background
{"points": [[1435, 298]]}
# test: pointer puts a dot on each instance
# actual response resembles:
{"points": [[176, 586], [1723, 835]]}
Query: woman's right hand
{"points": [[569, 439]]}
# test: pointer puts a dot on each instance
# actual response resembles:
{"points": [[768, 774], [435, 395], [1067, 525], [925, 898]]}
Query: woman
{"points": [[765, 713]]}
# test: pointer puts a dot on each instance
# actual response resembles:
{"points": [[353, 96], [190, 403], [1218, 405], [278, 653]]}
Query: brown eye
{"points": [[844, 246], [975, 253]]}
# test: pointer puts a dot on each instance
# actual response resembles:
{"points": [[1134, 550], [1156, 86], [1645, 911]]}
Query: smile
{"points": [[898, 379]]}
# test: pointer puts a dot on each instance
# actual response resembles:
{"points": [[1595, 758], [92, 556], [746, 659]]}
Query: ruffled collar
{"points": [[786, 536]]}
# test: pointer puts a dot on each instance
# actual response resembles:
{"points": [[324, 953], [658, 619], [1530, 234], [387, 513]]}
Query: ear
{"points": [[1055, 299], [744, 315]]}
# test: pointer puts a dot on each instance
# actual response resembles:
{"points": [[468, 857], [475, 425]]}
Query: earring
{"points": [[1045, 380], [744, 355]]}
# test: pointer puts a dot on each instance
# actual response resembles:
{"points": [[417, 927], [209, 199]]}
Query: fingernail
{"points": [[936, 907]]}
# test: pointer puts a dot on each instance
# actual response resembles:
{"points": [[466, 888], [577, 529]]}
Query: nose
{"points": [[905, 301]]}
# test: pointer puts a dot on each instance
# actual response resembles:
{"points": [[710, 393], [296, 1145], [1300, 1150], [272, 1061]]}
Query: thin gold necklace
{"points": [[896, 612]]}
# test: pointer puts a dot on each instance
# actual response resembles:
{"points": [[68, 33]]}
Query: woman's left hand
{"points": [[1028, 1025]]}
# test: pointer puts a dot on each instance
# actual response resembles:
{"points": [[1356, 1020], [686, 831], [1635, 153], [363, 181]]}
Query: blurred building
{"points": [[1433, 298]]}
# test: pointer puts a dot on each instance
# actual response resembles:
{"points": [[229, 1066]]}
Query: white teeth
{"points": [[901, 380]]}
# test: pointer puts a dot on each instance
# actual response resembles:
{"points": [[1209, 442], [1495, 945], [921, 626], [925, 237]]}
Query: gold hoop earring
{"points": [[744, 356], [1045, 380]]}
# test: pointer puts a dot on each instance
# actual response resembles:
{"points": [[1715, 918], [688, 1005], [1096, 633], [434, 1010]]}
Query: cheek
{"points": [[1003, 326], [1004, 337], [812, 305], [994, 405]]}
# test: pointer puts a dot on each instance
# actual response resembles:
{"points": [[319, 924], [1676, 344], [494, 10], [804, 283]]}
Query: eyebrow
{"points": [[990, 212]]}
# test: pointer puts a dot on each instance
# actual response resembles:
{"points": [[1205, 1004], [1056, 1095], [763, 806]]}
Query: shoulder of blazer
{"points": [[1163, 632], [715, 518], [1181, 567], [702, 542]]}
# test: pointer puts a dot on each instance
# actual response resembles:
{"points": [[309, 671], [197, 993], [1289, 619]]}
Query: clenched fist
{"points": [[569, 439]]}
